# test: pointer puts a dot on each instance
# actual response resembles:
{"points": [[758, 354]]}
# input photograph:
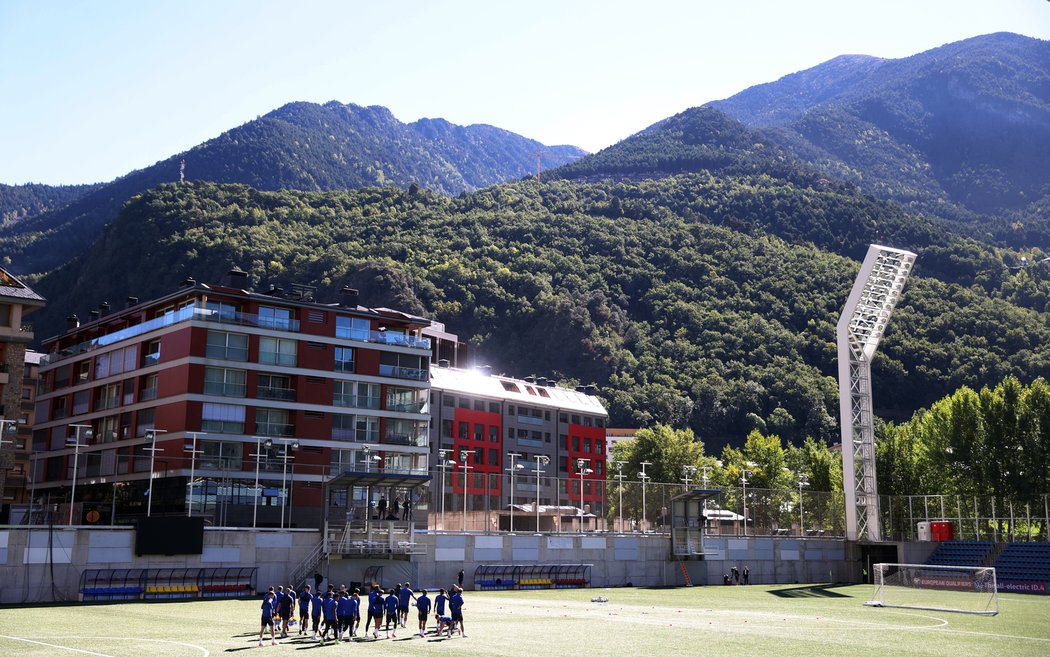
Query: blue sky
{"points": [[93, 90]]}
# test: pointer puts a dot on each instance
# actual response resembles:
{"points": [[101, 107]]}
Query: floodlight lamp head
{"points": [[587, 471], [545, 460], [11, 428], [294, 444]]}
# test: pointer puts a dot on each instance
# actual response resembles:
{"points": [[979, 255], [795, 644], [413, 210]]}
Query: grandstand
{"points": [[962, 553], [1024, 562]]}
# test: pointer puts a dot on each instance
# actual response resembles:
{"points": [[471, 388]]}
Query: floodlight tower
{"points": [[861, 326]]}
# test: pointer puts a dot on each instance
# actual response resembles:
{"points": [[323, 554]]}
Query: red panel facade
{"points": [[473, 431], [586, 443]]}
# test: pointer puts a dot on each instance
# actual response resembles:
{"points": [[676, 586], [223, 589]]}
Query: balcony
{"points": [[148, 394], [177, 317], [274, 430], [271, 392], [224, 389], [355, 401], [407, 407], [387, 337], [396, 372], [277, 358], [392, 438]]}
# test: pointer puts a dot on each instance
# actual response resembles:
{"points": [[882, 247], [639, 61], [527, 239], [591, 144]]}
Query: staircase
{"points": [[310, 563]]}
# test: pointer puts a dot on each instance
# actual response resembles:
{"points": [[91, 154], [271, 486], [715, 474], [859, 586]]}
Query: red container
{"points": [[942, 531]]}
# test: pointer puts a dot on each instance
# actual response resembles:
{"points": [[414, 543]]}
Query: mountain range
{"points": [[694, 270], [301, 146]]}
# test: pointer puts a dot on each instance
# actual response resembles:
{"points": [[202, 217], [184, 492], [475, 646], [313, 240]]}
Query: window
{"points": [[563, 417], [575, 419], [479, 405], [277, 351], [493, 433], [406, 432], [353, 328], [464, 430], [357, 395], [464, 402], [509, 387], [145, 422], [587, 421], [152, 355], [221, 418], [219, 455], [511, 410], [575, 443], [275, 318], [83, 370], [109, 429], [479, 432], [226, 311], [493, 457], [275, 386], [27, 393], [448, 400], [493, 407], [227, 346], [148, 388], [224, 381], [403, 366], [344, 359], [357, 428], [116, 361], [81, 402], [405, 400], [108, 397], [273, 422]]}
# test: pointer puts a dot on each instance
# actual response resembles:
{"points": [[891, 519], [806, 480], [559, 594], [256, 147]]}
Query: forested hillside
{"points": [[299, 146], [18, 202], [675, 295], [961, 131]]}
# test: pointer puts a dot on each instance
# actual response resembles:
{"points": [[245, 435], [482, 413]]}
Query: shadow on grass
{"points": [[810, 591]]}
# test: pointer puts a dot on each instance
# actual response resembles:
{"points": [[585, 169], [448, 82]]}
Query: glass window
{"points": [[493, 433], [227, 346], [152, 355], [223, 309], [83, 369], [222, 418], [403, 366], [273, 422], [224, 381], [275, 386], [277, 351], [275, 318], [353, 328], [446, 428], [404, 400], [344, 359], [464, 430], [145, 422], [220, 455], [493, 407], [81, 402], [479, 405]]}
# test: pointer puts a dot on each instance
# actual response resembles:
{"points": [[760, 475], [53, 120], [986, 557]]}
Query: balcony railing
{"points": [[179, 316], [407, 407], [405, 439], [403, 372], [148, 394], [386, 337], [276, 358], [224, 389], [355, 401], [271, 392], [275, 430]]}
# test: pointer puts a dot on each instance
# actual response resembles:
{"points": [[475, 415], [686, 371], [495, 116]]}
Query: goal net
{"points": [[936, 588]]}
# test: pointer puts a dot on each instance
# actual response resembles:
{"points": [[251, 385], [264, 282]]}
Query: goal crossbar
{"points": [[959, 589]]}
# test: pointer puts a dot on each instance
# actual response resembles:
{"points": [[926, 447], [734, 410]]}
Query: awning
{"points": [[349, 478]]}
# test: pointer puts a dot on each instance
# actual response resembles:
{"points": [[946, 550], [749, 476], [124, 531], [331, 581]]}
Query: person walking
{"points": [[460, 578], [267, 618]]}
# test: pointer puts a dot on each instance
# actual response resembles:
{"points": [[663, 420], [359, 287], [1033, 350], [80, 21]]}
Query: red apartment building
{"points": [[491, 424], [240, 406]]}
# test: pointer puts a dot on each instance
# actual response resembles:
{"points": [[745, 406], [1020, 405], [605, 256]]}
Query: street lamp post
{"points": [[446, 463], [288, 445], [76, 463], [258, 460], [514, 465], [619, 477], [583, 471], [192, 449], [541, 461], [151, 437], [802, 481], [743, 481], [464, 455], [686, 471], [645, 478]]}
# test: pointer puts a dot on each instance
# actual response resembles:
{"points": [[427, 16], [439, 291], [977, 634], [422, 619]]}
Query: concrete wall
{"points": [[27, 563], [44, 565]]}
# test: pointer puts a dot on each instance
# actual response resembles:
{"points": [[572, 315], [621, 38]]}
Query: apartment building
{"points": [[486, 426], [17, 300], [237, 405]]}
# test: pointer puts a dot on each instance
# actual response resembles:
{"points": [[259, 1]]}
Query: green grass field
{"points": [[731, 621]]}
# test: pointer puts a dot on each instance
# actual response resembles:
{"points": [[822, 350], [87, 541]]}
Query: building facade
{"points": [[236, 405], [17, 300], [552, 439]]}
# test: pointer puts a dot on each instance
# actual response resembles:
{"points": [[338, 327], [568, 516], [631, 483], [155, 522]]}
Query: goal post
{"points": [[963, 589]]}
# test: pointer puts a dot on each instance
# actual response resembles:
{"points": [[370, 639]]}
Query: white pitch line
{"points": [[53, 645]]}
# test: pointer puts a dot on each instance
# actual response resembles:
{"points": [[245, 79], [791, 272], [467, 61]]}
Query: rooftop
{"points": [[492, 386]]}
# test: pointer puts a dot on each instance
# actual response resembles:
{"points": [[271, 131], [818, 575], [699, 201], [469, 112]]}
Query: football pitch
{"points": [[786, 620]]}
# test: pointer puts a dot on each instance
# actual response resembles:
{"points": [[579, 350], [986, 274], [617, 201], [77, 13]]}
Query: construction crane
{"points": [[539, 159]]}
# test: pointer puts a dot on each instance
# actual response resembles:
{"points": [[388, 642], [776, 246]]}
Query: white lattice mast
{"points": [[864, 318]]}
